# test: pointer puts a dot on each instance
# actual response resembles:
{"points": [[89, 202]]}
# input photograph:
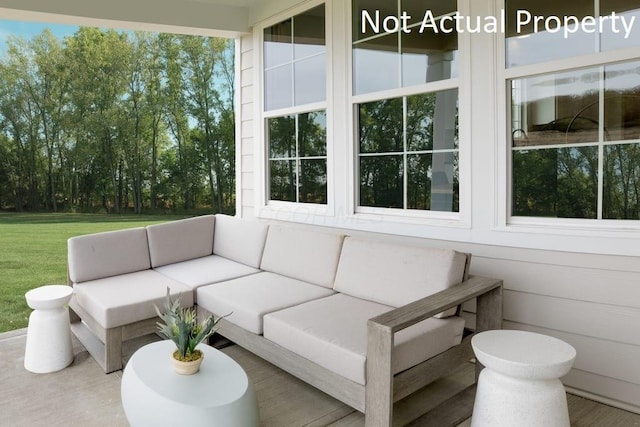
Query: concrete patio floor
{"points": [[83, 395]]}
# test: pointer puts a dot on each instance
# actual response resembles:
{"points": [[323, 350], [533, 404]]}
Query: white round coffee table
{"points": [[48, 346], [220, 394], [520, 384]]}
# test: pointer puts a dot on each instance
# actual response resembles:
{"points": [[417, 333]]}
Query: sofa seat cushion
{"points": [[332, 332], [206, 270], [249, 298], [120, 300]]}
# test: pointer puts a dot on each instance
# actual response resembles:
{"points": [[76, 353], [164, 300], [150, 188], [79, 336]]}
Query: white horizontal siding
{"points": [[611, 391], [248, 166], [247, 130], [591, 352], [563, 281], [596, 310], [246, 159], [607, 322]]}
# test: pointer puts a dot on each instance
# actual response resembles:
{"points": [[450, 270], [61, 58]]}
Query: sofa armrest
{"points": [[417, 311], [381, 330]]}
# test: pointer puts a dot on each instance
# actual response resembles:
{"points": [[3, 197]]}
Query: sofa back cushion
{"points": [[180, 240], [302, 254], [396, 275], [98, 255], [239, 240]]}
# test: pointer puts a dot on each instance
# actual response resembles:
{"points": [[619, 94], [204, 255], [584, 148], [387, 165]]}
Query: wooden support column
{"points": [[488, 315]]}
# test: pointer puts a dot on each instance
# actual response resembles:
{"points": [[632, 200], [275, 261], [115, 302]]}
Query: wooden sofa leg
{"points": [[113, 350], [379, 388], [73, 316]]}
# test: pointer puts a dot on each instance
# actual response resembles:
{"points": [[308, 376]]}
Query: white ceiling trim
{"points": [[211, 17]]}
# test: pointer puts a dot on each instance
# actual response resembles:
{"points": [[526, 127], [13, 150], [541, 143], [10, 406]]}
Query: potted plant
{"points": [[181, 326]]}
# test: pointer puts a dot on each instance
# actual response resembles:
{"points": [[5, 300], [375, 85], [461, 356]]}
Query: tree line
{"points": [[114, 121]]}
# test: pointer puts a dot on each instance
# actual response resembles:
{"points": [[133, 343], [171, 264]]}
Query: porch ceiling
{"points": [[224, 18]]}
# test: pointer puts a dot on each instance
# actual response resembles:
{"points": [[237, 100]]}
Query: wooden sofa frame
{"points": [[383, 388], [105, 344]]}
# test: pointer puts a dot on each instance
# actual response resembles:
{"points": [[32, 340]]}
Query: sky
{"points": [[27, 30]]}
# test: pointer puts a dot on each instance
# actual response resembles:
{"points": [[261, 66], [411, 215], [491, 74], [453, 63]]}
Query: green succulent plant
{"points": [[182, 327]]}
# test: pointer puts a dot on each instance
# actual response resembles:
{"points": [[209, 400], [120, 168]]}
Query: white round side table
{"points": [[520, 384], [48, 346], [220, 394]]}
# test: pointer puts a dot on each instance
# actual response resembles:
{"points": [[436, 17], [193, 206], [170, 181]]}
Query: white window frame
{"points": [[605, 228], [460, 219], [278, 209]]}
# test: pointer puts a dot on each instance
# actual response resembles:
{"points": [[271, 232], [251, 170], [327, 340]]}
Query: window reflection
{"points": [[555, 109], [310, 80], [433, 182], [375, 64], [564, 108], [381, 181], [409, 152], [389, 61], [432, 121], [428, 57], [531, 47], [277, 44], [282, 137], [278, 92], [298, 157], [621, 196], [309, 33], [313, 181], [381, 126], [282, 180], [312, 134], [624, 8], [622, 101], [295, 61], [559, 183], [417, 9], [595, 113], [386, 8]]}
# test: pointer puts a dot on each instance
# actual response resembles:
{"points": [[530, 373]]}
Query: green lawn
{"points": [[33, 252]]}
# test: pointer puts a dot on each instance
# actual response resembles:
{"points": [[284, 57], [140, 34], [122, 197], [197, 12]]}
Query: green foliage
{"points": [[87, 122], [181, 326]]}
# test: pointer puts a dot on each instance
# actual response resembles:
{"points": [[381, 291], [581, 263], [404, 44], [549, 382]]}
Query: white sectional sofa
{"points": [[365, 321]]}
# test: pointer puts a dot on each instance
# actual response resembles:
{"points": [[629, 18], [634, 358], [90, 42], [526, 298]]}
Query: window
{"points": [[298, 157], [408, 152], [575, 134], [405, 95], [531, 45], [294, 108]]}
